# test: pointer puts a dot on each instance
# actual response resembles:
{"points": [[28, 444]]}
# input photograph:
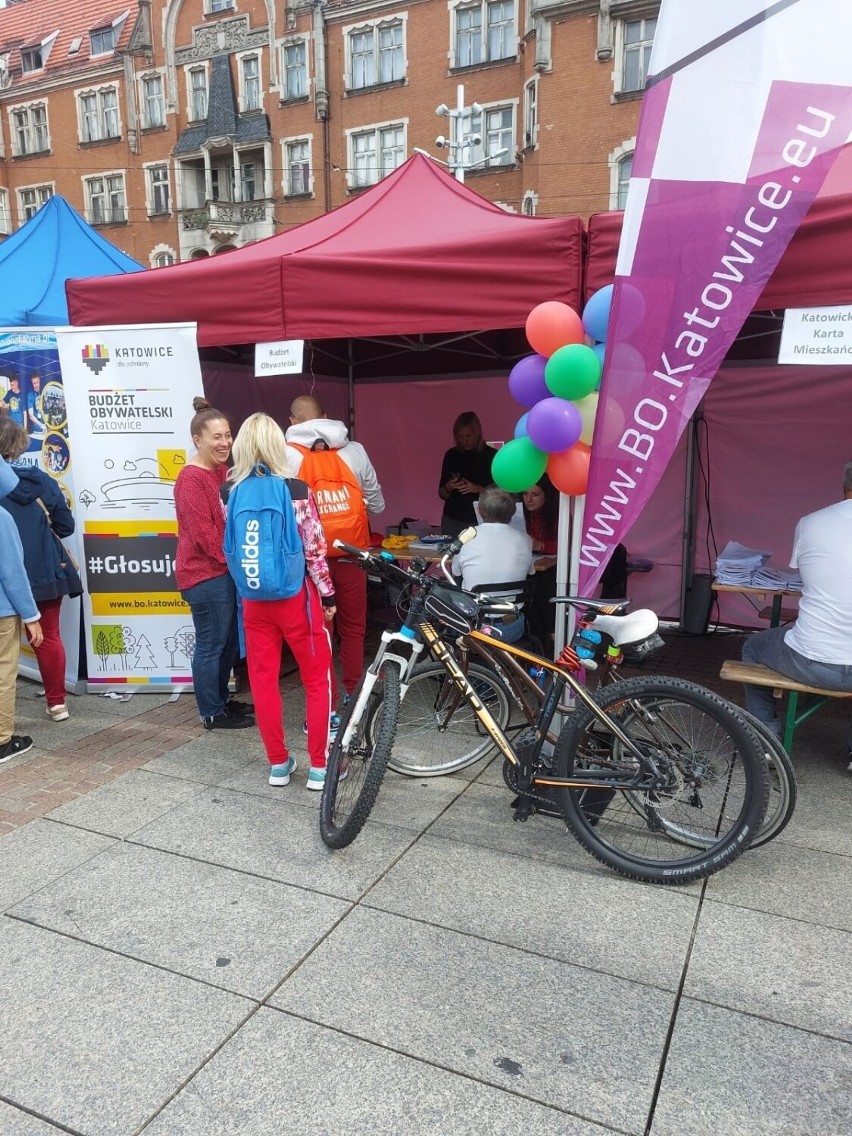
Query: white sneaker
{"points": [[58, 713]]}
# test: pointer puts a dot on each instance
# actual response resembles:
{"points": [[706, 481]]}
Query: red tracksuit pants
{"points": [[350, 623], [299, 623]]}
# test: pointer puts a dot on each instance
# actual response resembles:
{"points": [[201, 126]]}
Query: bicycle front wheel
{"points": [[708, 803], [438, 730], [783, 790], [354, 771]]}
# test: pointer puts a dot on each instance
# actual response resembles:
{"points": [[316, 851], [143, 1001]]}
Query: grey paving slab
{"points": [[778, 968], [211, 758], [785, 879], [823, 808], [90, 713], [732, 1074], [276, 840], [236, 931], [114, 1038], [336, 1084], [125, 804], [13, 1122], [570, 1038], [39, 852], [609, 924]]}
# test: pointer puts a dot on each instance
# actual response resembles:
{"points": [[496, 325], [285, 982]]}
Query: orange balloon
{"points": [[552, 325], [569, 471]]}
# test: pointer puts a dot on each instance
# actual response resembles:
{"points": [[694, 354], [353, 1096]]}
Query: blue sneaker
{"points": [[279, 775], [316, 778]]}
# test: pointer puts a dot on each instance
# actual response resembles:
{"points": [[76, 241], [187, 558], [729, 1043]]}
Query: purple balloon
{"points": [[526, 380], [521, 426], [554, 425]]}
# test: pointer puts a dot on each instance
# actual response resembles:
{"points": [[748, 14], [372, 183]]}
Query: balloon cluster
{"points": [[559, 385]]}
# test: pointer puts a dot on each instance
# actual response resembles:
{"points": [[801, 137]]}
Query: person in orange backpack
{"points": [[346, 491]]}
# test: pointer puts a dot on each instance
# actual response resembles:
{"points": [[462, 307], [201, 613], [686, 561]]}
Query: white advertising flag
{"points": [[129, 394]]}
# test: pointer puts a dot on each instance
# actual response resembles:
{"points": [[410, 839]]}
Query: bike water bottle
{"points": [[585, 643], [538, 673]]}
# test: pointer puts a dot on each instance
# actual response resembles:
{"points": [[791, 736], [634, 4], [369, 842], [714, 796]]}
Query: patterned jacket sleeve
{"points": [[313, 541]]}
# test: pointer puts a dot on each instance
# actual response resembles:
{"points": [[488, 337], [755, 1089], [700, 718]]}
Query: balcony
{"points": [[228, 222]]}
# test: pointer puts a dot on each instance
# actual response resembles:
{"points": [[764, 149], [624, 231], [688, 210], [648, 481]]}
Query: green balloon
{"points": [[518, 465], [573, 371]]}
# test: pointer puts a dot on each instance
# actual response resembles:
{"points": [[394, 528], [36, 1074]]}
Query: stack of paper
{"points": [[776, 578], [737, 564]]}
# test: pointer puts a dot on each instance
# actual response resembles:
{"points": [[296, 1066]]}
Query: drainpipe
{"points": [[321, 96]]}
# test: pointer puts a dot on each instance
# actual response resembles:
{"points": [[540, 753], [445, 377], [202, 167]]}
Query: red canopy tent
{"points": [[417, 253]]}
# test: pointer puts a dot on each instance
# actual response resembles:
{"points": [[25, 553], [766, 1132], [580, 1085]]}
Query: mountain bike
{"points": [[438, 732], [635, 765]]}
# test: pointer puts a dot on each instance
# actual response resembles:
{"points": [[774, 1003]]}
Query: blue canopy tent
{"points": [[36, 261]]}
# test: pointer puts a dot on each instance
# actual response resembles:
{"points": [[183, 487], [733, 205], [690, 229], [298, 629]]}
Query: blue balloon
{"points": [[596, 313], [599, 349], [521, 426]]}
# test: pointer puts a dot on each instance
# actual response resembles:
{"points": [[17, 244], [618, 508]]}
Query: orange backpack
{"points": [[338, 496]]}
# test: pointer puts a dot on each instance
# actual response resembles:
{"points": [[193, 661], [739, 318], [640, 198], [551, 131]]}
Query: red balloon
{"points": [[552, 325], [569, 471]]}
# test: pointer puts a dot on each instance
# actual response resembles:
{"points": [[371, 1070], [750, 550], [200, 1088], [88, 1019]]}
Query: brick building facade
{"points": [[182, 128]]}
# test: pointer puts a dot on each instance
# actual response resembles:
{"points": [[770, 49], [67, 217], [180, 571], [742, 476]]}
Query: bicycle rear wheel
{"points": [[783, 790], [354, 772], [438, 731], [716, 790]]}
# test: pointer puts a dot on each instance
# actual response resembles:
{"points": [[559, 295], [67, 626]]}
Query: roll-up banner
{"points": [[129, 393], [33, 394], [747, 105]]}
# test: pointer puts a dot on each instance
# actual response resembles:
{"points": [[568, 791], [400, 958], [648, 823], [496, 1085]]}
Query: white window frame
{"points": [[37, 189], [286, 143], [5, 214], [221, 6], [529, 203], [150, 195], [189, 69], [42, 48], [28, 109], [620, 53], [295, 41], [456, 6], [376, 128], [531, 116], [614, 160], [145, 78], [477, 156], [98, 94], [102, 29], [373, 29], [87, 198], [243, 58], [159, 251]]}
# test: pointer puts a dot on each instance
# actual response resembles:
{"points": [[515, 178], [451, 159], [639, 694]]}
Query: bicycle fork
{"points": [[371, 677]]}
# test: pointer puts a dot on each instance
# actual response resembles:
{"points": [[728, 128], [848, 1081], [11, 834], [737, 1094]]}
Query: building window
{"points": [[375, 153], [105, 201], [498, 41], [625, 168], [248, 181], [251, 82], [163, 259], [32, 198], [103, 40], [636, 54], [529, 203], [220, 5], [153, 103], [297, 167], [29, 130], [197, 94], [5, 219], [531, 114], [295, 70], [99, 115], [222, 183], [31, 59], [497, 147], [159, 196], [376, 55]]}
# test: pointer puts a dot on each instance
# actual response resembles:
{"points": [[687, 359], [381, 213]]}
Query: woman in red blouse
{"points": [[201, 571]]}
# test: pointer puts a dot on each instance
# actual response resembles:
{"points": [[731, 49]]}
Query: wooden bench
{"points": [[784, 615], [757, 675]]}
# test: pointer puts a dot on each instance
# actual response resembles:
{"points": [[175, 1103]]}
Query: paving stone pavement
{"points": [[182, 956]]}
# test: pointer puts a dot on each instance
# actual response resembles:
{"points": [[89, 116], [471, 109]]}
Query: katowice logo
{"points": [[95, 356]]}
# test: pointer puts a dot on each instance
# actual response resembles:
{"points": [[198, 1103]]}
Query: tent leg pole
{"points": [[689, 505], [564, 567], [350, 345]]}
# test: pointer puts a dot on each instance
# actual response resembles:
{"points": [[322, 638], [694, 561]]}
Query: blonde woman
{"points": [[301, 621]]}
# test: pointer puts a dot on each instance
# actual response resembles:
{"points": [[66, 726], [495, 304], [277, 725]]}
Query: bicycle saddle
{"points": [[630, 628], [609, 607]]}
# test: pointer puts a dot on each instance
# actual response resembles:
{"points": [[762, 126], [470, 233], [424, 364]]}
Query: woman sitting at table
{"points": [[541, 516], [465, 472]]}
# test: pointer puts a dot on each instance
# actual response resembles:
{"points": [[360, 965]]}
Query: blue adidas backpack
{"points": [[262, 543]]}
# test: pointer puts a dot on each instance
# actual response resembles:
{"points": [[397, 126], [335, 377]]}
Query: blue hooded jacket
{"points": [[15, 595], [43, 556]]}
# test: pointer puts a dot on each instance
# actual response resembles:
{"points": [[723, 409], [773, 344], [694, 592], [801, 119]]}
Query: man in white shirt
{"points": [[817, 649], [500, 554]]}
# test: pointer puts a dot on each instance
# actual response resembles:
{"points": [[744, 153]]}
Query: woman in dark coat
{"points": [[51, 574], [465, 471]]}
